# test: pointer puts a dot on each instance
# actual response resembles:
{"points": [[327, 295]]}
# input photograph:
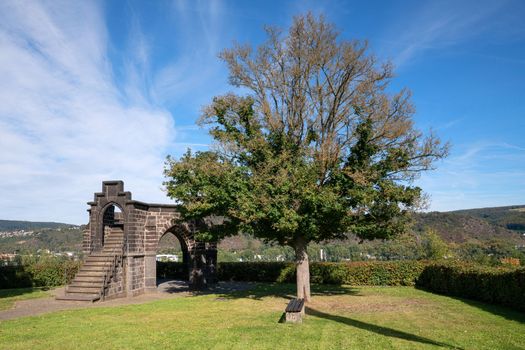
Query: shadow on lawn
{"points": [[8, 293], [385, 331], [283, 290], [499, 310]]}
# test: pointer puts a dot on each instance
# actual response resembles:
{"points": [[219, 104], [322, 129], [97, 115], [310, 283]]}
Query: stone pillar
{"points": [[129, 275], [150, 272]]}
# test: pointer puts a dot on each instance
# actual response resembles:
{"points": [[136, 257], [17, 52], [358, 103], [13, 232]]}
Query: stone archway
{"points": [[170, 269], [201, 256], [128, 266]]}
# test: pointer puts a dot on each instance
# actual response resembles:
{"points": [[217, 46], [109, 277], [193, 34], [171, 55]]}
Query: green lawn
{"points": [[9, 296], [338, 318]]}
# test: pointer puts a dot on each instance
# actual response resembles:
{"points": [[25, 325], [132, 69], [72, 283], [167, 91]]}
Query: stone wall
{"points": [[86, 240], [117, 285], [135, 223], [136, 275], [144, 224]]}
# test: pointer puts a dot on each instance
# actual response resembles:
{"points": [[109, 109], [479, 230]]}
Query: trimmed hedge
{"points": [[495, 285], [377, 273], [14, 277], [172, 269], [254, 271], [38, 272]]}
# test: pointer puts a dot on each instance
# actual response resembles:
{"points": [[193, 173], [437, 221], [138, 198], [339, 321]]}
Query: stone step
{"points": [[103, 263], [83, 290], [99, 259], [88, 284], [98, 273], [112, 247], [91, 279], [78, 297], [113, 252], [102, 255], [89, 268]]}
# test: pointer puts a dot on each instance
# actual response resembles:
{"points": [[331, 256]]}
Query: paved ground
{"points": [[165, 290]]}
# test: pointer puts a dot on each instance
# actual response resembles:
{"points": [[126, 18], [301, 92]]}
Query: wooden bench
{"points": [[295, 311]]}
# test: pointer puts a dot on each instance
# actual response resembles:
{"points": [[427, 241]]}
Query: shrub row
{"points": [[495, 285], [45, 271], [391, 273], [172, 269]]}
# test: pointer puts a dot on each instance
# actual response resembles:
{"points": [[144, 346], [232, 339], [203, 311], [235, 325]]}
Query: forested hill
{"points": [[511, 217], [28, 236], [475, 224], [11, 225]]}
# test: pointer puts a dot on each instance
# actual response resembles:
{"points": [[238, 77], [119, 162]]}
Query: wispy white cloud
{"points": [[63, 124], [437, 25], [200, 32], [481, 175]]}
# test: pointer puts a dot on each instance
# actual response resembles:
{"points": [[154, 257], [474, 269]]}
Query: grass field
{"points": [[8, 297], [338, 318]]}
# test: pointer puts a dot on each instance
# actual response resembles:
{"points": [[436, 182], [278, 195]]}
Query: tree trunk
{"points": [[303, 270]]}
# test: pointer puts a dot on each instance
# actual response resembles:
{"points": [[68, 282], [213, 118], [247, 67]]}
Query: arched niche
{"points": [[112, 217]]}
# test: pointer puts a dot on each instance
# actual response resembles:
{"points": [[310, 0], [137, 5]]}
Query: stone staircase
{"points": [[92, 280]]}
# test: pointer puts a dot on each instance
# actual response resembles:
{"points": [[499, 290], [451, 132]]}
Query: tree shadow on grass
{"points": [[499, 310], [258, 291], [385, 331], [9, 293]]}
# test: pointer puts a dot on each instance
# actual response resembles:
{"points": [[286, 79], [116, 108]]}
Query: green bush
{"points": [[388, 273], [172, 269], [50, 271], [252, 271], [38, 271], [495, 285], [14, 277]]}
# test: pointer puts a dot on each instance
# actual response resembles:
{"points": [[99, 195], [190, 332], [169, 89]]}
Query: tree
{"points": [[316, 149], [434, 246]]}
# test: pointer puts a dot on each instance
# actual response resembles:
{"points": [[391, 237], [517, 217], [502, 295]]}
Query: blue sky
{"points": [[92, 91]]}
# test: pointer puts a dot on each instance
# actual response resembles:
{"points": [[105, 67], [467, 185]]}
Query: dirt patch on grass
{"points": [[371, 304]]}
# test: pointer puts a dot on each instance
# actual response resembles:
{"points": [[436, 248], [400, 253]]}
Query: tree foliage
{"points": [[316, 149]]}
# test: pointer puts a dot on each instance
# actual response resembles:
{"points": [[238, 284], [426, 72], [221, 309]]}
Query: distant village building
{"points": [[167, 257], [6, 259]]}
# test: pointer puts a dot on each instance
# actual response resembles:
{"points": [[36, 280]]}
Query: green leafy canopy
{"points": [[316, 149]]}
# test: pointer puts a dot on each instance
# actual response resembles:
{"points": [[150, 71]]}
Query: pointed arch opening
{"points": [[172, 259]]}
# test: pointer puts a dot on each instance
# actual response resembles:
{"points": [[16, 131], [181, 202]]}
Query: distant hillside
{"points": [[10, 225], [475, 224], [57, 240], [32, 236], [511, 217], [461, 228]]}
